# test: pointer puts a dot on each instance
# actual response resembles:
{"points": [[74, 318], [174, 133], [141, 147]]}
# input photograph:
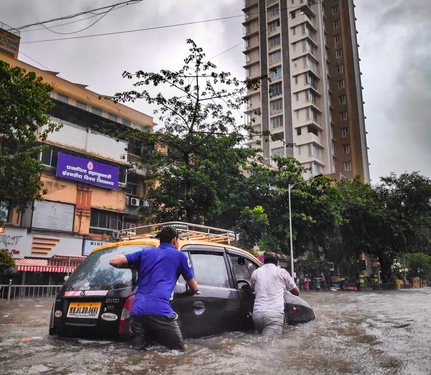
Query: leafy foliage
{"points": [[251, 226], [24, 100], [196, 158], [6, 261]]}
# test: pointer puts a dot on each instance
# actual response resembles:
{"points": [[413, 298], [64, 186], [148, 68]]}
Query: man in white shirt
{"points": [[270, 282]]}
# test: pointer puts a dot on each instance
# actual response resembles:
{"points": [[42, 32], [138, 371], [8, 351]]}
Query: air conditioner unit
{"points": [[145, 203], [331, 266], [134, 202], [129, 226], [127, 200], [116, 234]]}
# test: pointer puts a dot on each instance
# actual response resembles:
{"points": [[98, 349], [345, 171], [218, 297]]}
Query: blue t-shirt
{"points": [[158, 272]]}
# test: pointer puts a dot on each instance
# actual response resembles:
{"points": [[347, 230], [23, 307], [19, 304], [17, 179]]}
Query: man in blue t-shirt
{"points": [[152, 317]]}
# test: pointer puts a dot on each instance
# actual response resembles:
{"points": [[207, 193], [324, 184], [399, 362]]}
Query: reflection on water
{"points": [[355, 333]]}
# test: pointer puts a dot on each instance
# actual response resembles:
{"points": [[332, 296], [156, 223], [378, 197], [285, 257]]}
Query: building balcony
{"points": [[249, 4], [306, 138]]}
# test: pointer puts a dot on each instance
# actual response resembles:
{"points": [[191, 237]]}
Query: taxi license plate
{"points": [[85, 310]]}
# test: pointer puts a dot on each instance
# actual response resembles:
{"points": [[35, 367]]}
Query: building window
{"points": [[127, 122], [336, 24], [335, 10], [347, 166], [278, 151], [294, 31], [96, 111], [316, 169], [344, 132], [343, 116], [81, 105], [62, 98], [311, 114], [276, 89], [275, 57], [102, 222], [340, 68], [49, 157], [342, 99], [275, 73], [341, 84], [4, 211], [274, 41], [297, 97], [314, 151], [273, 11], [298, 131], [296, 80], [273, 26], [346, 149], [299, 150], [113, 117], [337, 38], [298, 115], [276, 106], [277, 122], [339, 53]]}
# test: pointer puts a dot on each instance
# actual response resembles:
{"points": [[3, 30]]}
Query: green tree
{"points": [[6, 261], [405, 228], [315, 205], [24, 100], [418, 265], [251, 227], [361, 228], [195, 160]]}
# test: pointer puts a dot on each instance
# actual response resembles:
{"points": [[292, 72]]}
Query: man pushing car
{"points": [[152, 317]]}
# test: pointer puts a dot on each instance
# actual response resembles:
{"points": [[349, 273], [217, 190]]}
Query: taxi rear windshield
{"points": [[95, 272]]}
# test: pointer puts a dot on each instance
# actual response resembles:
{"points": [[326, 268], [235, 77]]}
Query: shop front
{"points": [[42, 259]]}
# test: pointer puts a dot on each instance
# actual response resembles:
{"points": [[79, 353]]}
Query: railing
{"points": [[9, 29], [186, 231], [28, 291]]}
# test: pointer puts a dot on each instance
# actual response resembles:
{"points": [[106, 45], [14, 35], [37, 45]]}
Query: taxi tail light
{"points": [[125, 314]]}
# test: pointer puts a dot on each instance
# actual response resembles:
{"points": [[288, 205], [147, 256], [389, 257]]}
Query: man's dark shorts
{"points": [[147, 329]]}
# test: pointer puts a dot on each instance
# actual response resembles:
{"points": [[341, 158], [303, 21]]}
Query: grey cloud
{"points": [[394, 38], [393, 34]]}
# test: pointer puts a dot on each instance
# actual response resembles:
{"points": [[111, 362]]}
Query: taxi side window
{"points": [[210, 269], [242, 267]]}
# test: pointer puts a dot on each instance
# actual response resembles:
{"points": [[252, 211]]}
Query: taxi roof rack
{"points": [[186, 231]]}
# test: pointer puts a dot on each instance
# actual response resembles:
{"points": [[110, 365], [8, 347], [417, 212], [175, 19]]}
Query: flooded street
{"points": [[355, 333]]}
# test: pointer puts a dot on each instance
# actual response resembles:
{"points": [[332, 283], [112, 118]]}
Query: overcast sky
{"points": [[394, 37]]}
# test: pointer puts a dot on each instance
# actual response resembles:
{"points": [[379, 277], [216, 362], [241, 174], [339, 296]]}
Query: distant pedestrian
{"points": [[270, 282]]}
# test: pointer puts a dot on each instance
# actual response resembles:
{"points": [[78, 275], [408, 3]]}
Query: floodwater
{"points": [[355, 333]]}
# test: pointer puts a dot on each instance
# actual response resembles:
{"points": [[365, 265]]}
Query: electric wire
{"points": [[163, 26], [79, 31], [78, 14]]}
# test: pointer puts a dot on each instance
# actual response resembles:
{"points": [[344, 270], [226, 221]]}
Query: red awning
{"points": [[45, 265]]}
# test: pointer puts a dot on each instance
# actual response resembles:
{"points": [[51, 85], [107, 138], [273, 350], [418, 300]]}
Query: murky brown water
{"points": [[355, 333]]}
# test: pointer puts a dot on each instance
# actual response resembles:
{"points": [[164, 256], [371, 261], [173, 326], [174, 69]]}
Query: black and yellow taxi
{"points": [[95, 302]]}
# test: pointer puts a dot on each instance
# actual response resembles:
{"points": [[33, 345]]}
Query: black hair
{"points": [[167, 234], [270, 257]]}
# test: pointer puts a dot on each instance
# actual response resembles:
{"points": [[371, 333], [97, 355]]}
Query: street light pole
{"points": [[290, 231]]}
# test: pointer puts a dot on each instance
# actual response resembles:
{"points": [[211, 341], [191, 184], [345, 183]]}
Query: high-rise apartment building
{"points": [[312, 104]]}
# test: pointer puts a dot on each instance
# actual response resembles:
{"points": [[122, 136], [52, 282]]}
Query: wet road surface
{"points": [[355, 333]]}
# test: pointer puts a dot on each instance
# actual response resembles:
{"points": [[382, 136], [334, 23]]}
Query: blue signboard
{"points": [[87, 171]]}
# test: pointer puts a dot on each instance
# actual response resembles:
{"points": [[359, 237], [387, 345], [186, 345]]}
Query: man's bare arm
{"points": [[193, 285], [119, 261], [294, 291]]}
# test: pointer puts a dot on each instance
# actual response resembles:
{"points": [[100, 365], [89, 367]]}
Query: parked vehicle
{"points": [[96, 300]]}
